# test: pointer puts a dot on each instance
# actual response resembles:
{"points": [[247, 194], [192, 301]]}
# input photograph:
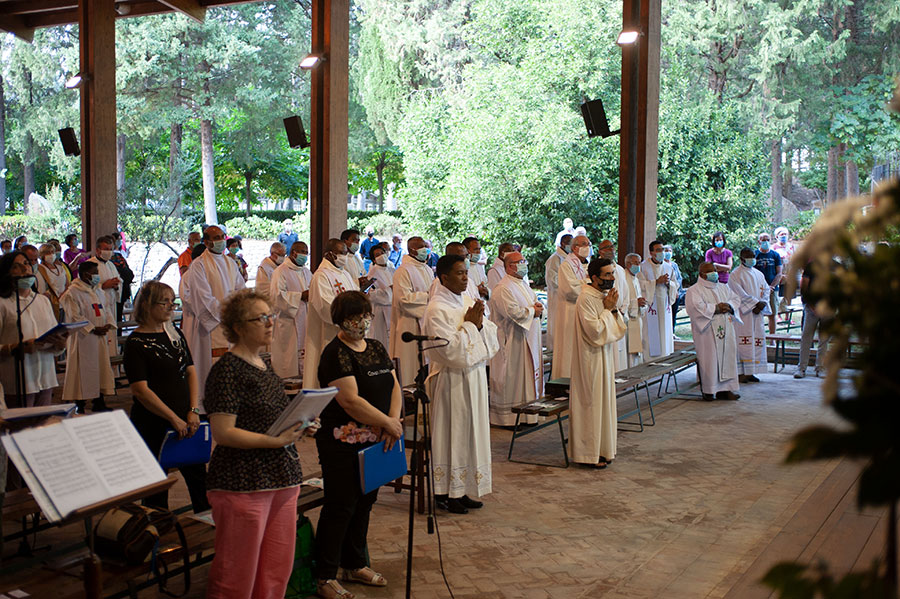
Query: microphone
{"points": [[408, 337]]}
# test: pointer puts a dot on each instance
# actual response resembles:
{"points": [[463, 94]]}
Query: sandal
{"points": [[332, 589], [365, 575]]}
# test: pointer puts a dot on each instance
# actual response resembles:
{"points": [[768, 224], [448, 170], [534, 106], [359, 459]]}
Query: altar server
{"points": [[476, 269], [329, 280], [551, 277], [457, 385], [661, 293], [412, 280], [750, 286], [289, 295], [714, 308], [572, 277], [598, 326], [517, 370], [381, 272], [607, 249], [636, 309], [277, 252], [211, 278], [498, 270]]}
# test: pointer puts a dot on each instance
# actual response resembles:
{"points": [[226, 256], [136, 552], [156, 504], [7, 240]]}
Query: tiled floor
{"points": [[698, 506]]}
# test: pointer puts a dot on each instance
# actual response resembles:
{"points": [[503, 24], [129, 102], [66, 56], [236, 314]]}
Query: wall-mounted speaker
{"points": [[69, 142], [293, 126], [595, 119]]}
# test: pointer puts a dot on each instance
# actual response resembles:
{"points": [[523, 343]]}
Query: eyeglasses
{"points": [[166, 303], [263, 319]]}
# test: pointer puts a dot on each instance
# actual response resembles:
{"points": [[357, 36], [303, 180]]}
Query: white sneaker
{"points": [[799, 374]]}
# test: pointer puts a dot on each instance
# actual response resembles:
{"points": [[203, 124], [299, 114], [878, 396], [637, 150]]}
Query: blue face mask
{"points": [[658, 256], [764, 246], [300, 259], [712, 277], [635, 269], [667, 255], [354, 247], [422, 254], [749, 262], [26, 282], [95, 280], [473, 258], [218, 246], [522, 270], [567, 248], [783, 239], [720, 244]]}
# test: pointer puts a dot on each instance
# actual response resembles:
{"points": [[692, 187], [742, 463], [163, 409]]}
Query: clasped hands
{"points": [[475, 314], [723, 308]]}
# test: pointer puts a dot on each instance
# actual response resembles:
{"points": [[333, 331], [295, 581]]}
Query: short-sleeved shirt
{"points": [[155, 358], [184, 260], [722, 258], [257, 398], [767, 263], [373, 370]]}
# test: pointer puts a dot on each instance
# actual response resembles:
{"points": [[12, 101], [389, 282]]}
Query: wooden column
{"points": [[638, 151], [328, 124], [97, 33]]}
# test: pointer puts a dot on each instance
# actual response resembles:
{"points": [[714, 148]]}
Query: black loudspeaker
{"points": [[595, 119], [293, 126], [69, 142]]}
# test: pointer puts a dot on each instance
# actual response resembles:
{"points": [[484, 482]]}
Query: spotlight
{"points": [[312, 61], [628, 37], [595, 119], [123, 9], [69, 142], [76, 80], [293, 126]]}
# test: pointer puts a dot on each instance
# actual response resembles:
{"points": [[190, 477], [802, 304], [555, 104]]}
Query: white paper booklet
{"points": [[81, 461], [306, 406]]}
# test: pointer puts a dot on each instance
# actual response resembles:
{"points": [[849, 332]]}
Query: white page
{"points": [[62, 409], [116, 451], [306, 406], [37, 490], [61, 466]]}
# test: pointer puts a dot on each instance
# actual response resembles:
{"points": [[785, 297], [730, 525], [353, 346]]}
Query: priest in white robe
{"points": [[110, 284], [714, 308], [211, 278], [498, 270], [592, 394], [277, 252], [457, 385], [572, 277], [636, 310], [750, 286], [289, 296], [88, 371], [455, 248], [381, 294], [661, 291], [355, 266], [517, 370], [551, 277], [412, 281], [329, 280], [607, 249], [477, 274]]}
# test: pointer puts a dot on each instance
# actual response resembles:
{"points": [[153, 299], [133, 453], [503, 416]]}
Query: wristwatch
{"points": [[195, 411]]}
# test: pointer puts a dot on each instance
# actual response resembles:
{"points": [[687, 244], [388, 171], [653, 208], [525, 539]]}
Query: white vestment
{"points": [[412, 280], [495, 274], [572, 278], [622, 344], [288, 283], [382, 297], [37, 319], [471, 291], [714, 336], [750, 286], [88, 371], [457, 385], [517, 373], [477, 275], [355, 267], [634, 319], [207, 282], [327, 282], [551, 277], [592, 399], [658, 332], [107, 270], [264, 274]]}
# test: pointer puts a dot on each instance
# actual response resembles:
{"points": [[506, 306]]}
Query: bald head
{"points": [[414, 244], [299, 247], [606, 249], [455, 248], [335, 246], [706, 267]]}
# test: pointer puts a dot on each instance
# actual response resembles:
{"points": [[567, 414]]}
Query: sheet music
{"points": [[37, 491], [63, 409], [120, 455], [303, 408]]}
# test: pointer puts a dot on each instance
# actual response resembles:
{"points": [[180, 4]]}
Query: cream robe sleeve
{"points": [[621, 282], [412, 303], [75, 313], [506, 303], [599, 326], [203, 302], [743, 286], [381, 294], [569, 283], [551, 271], [700, 303], [321, 301], [263, 282], [285, 301], [468, 346]]}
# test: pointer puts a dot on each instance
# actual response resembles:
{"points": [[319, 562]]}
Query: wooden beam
{"points": [[191, 8], [16, 25], [97, 35], [21, 7], [328, 123], [50, 13]]}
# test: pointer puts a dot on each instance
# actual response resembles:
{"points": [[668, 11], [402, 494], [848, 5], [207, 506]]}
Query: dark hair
{"points": [[567, 236], [87, 265], [9, 241], [377, 246], [106, 239], [596, 266], [197, 250], [348, 233], [468, 240], [654, 242], [233, 241], [19, 240], [234, 310], [7, 287], [746, 251], [70, 236], [454, 245], [349, 304], [445, 264], [719, 234]]}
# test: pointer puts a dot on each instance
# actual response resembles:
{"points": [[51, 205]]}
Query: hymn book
{"points": [[305, 407], [81, 461]]}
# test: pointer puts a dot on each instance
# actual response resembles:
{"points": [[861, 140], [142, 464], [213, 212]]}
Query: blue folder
{"points": [[378, 467], [177, 452]]}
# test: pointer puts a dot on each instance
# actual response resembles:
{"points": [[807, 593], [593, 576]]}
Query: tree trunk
{"points": [[209, 177], [841, 177], [831, 193], [175, 134], [120, 165], [290, 203], [2, 150], [851, 170], [248, 179], [28, 172], [777, 190], [379, 174]]}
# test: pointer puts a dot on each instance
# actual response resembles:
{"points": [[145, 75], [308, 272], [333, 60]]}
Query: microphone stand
{"points": [[423, 453], [19, 355]]}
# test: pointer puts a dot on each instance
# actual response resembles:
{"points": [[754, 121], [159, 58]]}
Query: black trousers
{"points": [[194, 475], [344, 521]]}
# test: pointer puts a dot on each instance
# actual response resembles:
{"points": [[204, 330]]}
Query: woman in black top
{"points": [[365, 411], [164, 384]]}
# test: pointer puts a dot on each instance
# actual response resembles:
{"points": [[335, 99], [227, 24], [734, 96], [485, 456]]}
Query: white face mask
{"points": [[381, 260], [340, 261], [279, 259], [584, 251], [105, 255]]}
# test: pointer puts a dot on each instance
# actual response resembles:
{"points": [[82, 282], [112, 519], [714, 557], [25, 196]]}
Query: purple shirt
{"points": [[712, 256]]}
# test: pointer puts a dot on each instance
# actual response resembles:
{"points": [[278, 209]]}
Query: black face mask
{"points": [[607, 285]]}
